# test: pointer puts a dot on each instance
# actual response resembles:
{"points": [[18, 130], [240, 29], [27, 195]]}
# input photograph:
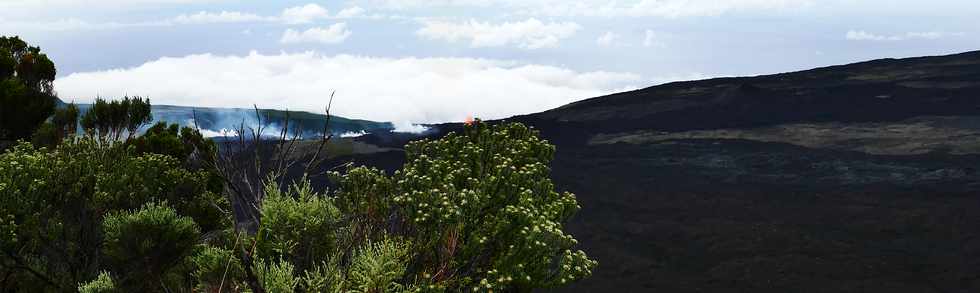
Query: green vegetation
{"points": [[26, 77], [75, 211], [305, 122], [474, 211], [110, 211], [480, 209], [109, 120], [182, 143], [63, 124]]}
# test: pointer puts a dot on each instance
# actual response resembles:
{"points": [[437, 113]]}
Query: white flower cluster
{"points": [[494, 181]]}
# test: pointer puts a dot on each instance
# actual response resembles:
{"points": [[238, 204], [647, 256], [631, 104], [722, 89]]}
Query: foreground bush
{"points": [[480, 209], [80, 210], [114, 211], [474, 211]]}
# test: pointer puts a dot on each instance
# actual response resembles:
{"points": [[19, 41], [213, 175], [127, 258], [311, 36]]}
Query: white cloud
{"points": [[104, 2], [402, 90], [866, 36], [336, 33], [350, 12], [528, 34], [304, 14], [412, 4], [54, 4], [294, 15], [217, 17], [671, 8], [860, 35], [652, 39], [607, 39], [67, 24], [49, 10], [74, 24], [70, 24], [607, 8]]}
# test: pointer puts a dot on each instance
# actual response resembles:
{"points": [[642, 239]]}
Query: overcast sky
{"points": [[442, 60]]}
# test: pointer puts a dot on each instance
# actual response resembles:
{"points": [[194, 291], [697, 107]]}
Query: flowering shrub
{"points": [[474, 211], [480, 209]]}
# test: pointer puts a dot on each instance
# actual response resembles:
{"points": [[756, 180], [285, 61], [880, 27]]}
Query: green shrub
{"points": [[26, 91], [379, 266], [474, 211], [55, 201], [146, 243], [327, 276], [102, 284], [216, 268], [479, 207], [277, 276], [173, 140], [63, 124], [109, 120], [297, 225]]}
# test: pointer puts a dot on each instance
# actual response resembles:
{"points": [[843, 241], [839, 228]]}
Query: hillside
{"points": [[213, 120], [874, 91], [852, 178]]}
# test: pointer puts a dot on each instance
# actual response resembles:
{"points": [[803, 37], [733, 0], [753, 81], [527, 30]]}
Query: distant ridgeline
{"points": [[220, 121]]}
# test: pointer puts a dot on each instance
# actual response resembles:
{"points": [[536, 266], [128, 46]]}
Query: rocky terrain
{"points": [[853, 178]]}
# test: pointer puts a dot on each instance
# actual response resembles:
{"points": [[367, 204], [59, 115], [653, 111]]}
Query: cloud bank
{"points": [[607, 39], [336, 33], [607, 8], [528, 34], [350, 12], [858, 35], [653, 39], [304, 14], [401, 90], [202, 17]]}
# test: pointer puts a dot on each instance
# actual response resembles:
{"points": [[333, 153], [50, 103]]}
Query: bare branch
{"points": [[245, 165], [325, 137]]}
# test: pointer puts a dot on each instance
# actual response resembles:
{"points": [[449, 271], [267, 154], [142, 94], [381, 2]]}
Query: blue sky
{"points": [[415, 61]]}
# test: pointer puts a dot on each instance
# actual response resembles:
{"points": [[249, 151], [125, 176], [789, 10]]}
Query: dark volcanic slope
{"points": [[853, 178], [881, 90]]}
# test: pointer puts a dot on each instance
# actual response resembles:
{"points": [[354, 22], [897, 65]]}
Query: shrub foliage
{"points": [[480, 210], [26, 92], [473, 211], [66, 208]]}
